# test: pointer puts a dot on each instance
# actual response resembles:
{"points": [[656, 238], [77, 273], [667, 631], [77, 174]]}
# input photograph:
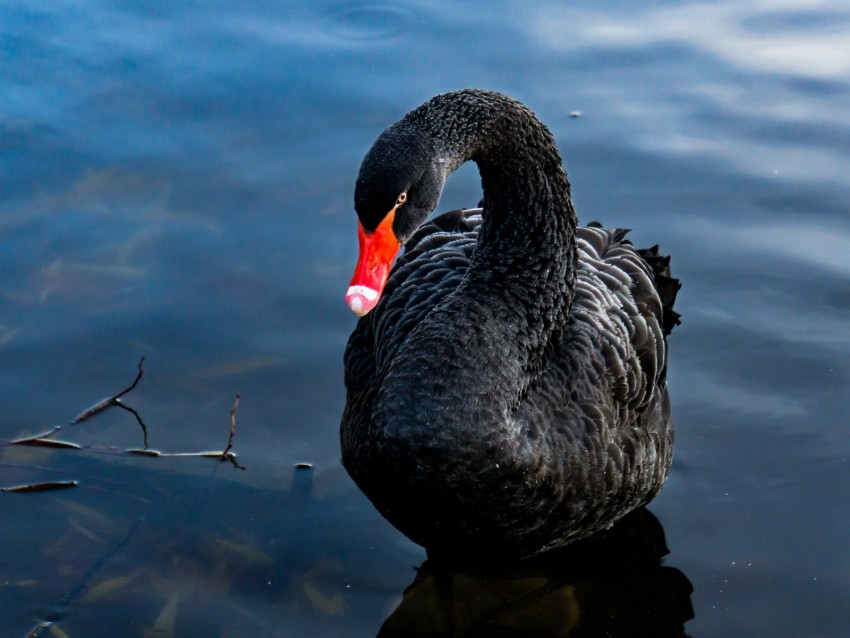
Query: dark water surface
{"points": [[177, 183]]}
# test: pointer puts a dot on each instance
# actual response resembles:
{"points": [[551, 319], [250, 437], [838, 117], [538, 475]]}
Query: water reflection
{"points": [[614, 585], [150, 553], [204, 555]]}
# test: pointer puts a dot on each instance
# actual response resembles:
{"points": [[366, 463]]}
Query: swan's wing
{"points": [[611, 367], [461, 221], [598, 422]]}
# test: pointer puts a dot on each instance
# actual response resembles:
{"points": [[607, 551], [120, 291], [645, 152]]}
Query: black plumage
{"points": [[508, 393]]}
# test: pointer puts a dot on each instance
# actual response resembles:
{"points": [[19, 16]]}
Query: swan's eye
{"points": [[401, 199]]}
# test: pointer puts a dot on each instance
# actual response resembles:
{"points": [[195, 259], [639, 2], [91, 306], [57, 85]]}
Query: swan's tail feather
{"points": [[667, 285]]}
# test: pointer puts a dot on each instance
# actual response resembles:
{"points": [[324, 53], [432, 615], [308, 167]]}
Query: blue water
{"points": [[177, 183]]}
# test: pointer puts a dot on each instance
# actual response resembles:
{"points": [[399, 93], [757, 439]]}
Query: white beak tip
{"points": [[361, 299]]}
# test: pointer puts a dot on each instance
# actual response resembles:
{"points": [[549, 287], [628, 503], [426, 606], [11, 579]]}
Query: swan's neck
{"points": [[473, 358], [526, 245]]}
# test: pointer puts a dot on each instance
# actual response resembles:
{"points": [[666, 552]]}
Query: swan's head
{"points": [[400, 182]]}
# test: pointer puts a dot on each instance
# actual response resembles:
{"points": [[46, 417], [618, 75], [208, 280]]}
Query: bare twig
{"points": [[115, 399], [44, 439], [39, 441], [120, 404], [135, 381], [232, 458], [97, 408], [40, 487], [232, 425], [145, 452], [227, 455], [43, 435]]}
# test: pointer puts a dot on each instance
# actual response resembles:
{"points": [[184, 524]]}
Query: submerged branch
{"points": [[118, 403], [41, 441], [115, 399], [133, 385], [40, 487], [227, 455], [44, 439]]}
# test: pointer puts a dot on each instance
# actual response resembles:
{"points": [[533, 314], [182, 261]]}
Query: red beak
{"points": [[377, 252]]}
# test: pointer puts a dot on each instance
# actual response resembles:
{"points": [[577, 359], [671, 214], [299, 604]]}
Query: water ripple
{"points": [[369, 23]]}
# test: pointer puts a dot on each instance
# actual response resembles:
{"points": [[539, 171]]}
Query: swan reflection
{"points": [[614, 585]]}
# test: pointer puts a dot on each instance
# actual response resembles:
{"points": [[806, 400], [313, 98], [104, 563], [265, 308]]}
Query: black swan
{"points": [[506, 395]]}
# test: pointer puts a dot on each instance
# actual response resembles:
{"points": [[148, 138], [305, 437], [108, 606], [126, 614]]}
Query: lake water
{"points": [[177, 183]]}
